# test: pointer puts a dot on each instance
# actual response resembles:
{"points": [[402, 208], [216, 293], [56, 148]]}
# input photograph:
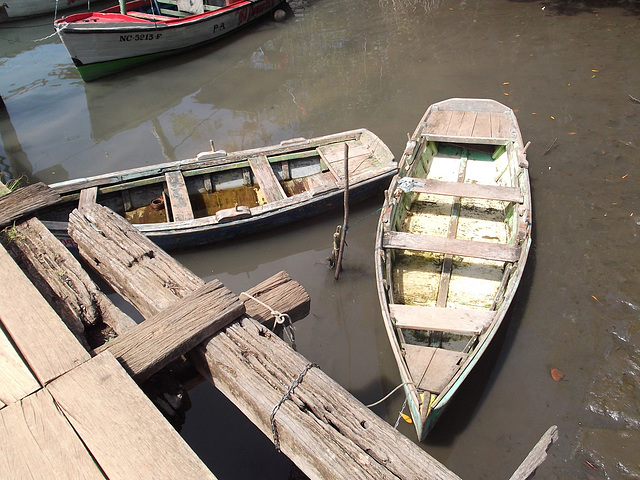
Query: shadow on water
{"points": [[471, 394]]}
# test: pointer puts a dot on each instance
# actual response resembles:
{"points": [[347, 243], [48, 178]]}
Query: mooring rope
{"points": [[390, 393], [279, 319], [285, 397]]}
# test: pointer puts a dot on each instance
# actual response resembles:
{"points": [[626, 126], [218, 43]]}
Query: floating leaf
{"points": [[406, 417], [556, 374], [595, 298], [625, 175]]}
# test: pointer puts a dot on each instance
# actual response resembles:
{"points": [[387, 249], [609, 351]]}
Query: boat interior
{"points": [[452, 238]]}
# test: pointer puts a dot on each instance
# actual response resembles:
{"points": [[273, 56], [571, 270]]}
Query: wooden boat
{"points": [[121, 37], [451, 245], [20, 9], [221, 195]]}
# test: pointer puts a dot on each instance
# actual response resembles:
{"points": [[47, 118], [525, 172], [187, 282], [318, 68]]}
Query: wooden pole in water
{"points": [[345, 222]]}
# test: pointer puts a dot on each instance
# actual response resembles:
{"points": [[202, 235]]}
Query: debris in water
{"points": [[556, 374]]}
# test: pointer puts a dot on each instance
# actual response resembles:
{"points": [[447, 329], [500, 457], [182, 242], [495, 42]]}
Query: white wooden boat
{"points": [[451, 245], [220, 195], [140, 31], [20, 9]]}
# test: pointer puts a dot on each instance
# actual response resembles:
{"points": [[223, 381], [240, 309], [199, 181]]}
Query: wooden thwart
{"points": [[179, 196], [459, 189], [458, 320], [432, 367], [464, 248], [269, 184]]}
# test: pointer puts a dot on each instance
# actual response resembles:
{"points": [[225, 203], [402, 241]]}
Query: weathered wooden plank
{"points": [[459, 189], [123, 430], [88, 195], [25, 200], [466, 124], [320, 426], [432, 368], [438, 123], [179, 196], [277, 293], [482, 126], [60, 278], [128, 260], [332, 440], [16, 381], [154, 343], [47, 345], [458, 320], [537, 455], [39, 443], [269, 184], [454, 246]]}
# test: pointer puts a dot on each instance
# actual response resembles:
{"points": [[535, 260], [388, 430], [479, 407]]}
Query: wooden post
{"points": [[345, 223]]}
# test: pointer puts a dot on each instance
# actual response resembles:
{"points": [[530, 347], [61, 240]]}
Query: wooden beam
{"points": [[47, 345], [129, 261], [154, 343], [537, 455], [121, 428], [60, 278], [321, 427], [16, 381], [25, 200], [454, 246]]}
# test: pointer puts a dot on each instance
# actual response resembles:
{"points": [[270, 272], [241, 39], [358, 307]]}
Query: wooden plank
{"points": [[47, 345], [88, 195], [466, 124], [179, 196], [464, 248], [457, 320], [321, 183], [125, 258], [459, 189], [537, 455], [60, 278], [122, 429], [269, 184], [151, 345], [16, 381], [482, 126], [39, 443], [432, 368], [501, 126], [25, 200], [149, 16], [438, 123]]}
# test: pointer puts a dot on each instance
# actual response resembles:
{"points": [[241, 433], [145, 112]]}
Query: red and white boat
{"points": [[127, 35]]}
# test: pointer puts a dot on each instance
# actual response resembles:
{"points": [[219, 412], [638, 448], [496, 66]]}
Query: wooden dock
{"points": [[74, 410]]}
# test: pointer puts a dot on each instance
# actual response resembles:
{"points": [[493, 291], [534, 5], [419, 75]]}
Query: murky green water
{"points": [[378, 64]]}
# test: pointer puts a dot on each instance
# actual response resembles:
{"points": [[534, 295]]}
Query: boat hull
{"points": [[451, 246], [104, 43], [230, 195]]}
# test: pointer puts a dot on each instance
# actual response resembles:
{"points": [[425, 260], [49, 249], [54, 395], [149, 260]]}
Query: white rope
{"points": [[279, 319], [390, 393]]}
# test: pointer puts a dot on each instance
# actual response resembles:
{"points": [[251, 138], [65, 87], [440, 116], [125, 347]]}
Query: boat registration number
{"points": [[140, 37]]}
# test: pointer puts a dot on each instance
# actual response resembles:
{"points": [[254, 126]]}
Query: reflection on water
{"points": [[567, 68]]}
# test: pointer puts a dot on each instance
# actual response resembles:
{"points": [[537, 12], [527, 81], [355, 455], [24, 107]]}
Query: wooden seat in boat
{"points": [[178, 196], [452, 246], [269, 184], [437, 319], [459, 189]]}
